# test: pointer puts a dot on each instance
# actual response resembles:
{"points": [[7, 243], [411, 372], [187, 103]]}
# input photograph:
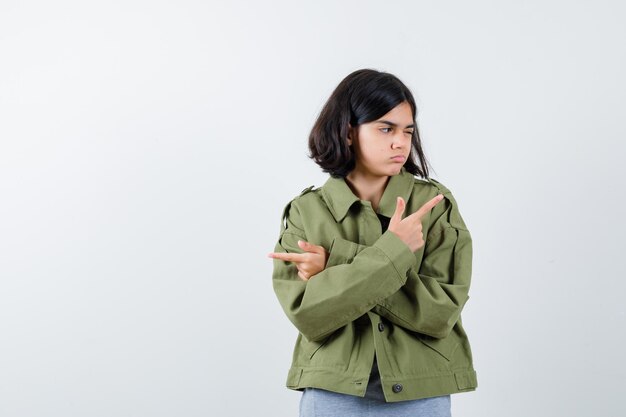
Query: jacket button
{"points": [[397, 388], [381, 327]]}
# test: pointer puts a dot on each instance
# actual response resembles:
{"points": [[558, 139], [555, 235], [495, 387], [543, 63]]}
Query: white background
{"points": [[147, 150]]}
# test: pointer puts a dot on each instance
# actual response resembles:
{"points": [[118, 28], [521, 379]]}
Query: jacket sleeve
{"points": [[431, 300], [339, 294]]}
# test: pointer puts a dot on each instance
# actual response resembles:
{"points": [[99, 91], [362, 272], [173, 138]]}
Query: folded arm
{"points": [[340, 293], [431, 300]]}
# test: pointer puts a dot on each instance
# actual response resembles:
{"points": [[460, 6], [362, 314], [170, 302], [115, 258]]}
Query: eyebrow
{"points": [[387, 122]]}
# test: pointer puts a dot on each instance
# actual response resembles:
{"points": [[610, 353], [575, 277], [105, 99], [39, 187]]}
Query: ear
{"points": [[350, 132]]}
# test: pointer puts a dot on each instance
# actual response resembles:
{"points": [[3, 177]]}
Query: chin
{"points": [[396, 170]]}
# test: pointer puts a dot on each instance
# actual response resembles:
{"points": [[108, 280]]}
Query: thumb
{"points": [[309, 247], [397, 215], [306, 246]]}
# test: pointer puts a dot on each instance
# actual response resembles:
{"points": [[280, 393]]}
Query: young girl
{"points": [[374, 267]]}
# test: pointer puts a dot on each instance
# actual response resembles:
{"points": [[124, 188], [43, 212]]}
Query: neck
{"points": [[367, 187]]}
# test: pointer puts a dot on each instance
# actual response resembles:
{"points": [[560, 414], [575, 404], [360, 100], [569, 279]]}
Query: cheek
{"points": [[374, 153], [376, 150]]}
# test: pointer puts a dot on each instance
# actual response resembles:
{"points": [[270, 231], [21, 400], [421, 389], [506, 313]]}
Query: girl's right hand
{"points": [[409, 229], [309, 263]]}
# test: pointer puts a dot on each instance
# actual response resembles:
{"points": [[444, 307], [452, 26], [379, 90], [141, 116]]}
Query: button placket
{"points": [[369, 229]]}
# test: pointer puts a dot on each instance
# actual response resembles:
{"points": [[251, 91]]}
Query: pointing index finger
{"points": [[421, 212], [287, 256]]}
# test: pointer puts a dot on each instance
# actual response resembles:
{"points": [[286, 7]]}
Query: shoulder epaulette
{"points": [[283, 224], [307, 189], [439, 185]]}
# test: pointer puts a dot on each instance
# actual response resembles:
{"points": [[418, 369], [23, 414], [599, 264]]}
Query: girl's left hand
{"points": [[309, 263]]}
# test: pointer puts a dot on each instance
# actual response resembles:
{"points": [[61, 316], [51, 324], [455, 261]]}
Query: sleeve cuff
{"points": [[341, 251], [398, 253]]}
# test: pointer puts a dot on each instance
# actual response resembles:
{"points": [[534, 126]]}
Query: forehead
{"points": [[400, 115]]}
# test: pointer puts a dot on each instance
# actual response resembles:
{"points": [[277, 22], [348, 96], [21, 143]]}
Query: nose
{"points": [[400, 140]]}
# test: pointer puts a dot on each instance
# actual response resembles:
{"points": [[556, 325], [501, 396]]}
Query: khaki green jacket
{"points": [[375, 295]]}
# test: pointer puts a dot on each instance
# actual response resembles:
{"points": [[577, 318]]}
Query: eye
{"points": [[410, 133], [385, 128]]}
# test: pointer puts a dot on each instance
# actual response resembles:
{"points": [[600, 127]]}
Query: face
{"points": [[376, 143]]}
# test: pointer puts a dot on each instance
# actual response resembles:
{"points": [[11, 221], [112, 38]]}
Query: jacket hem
{"points": [[413, 387]]}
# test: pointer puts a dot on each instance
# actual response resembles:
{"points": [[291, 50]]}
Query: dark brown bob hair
{"points": [[363, 96]]}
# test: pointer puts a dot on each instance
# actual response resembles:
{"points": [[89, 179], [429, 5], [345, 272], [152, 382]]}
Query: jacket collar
{"points": [[339, 197]]}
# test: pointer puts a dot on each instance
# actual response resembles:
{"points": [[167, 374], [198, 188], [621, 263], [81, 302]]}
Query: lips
{"points": [[398, 158]]}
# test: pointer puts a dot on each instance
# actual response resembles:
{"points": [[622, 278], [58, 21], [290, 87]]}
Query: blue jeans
{"points": [[316, 402]]}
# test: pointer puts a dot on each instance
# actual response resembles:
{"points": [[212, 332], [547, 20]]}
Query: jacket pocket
{"points": [[318, 345], [445, 347], [307, 349]]}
